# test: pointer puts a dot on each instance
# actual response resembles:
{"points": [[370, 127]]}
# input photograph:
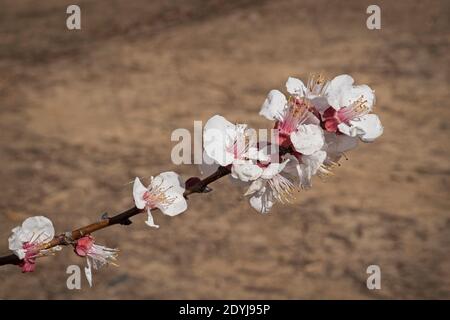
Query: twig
{"points": [[122, 218]]}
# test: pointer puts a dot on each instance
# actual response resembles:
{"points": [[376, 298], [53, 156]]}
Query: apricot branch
{"points": [[122, 218]]}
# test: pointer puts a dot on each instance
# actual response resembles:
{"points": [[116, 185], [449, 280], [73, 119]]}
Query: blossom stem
{"points": [[120, 218]]}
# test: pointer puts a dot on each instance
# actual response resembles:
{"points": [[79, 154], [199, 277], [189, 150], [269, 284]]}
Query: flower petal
{"points": [[15, 242], [176, 206], [274, 105], [245, 170], [255, 186], [262, 201], [334, 90], [172, 186], [88, 272], [38, 229], [150, 222], [170, 182], [342, 93], [307, 139], [309, 166], [138, 194], [354, 93], [350, 131], [295, 87], [370, 125], [219, 136]]}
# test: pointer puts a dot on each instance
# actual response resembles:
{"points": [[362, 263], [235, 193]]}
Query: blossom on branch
{"points": [[314, 125], [28, 241], [165, 192], [96, 255], [349, 110]]}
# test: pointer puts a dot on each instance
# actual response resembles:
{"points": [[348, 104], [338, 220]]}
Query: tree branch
{"points": [[122, 218]]}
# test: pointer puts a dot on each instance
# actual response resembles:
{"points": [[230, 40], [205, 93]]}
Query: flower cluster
{"points": [[314, 126]]}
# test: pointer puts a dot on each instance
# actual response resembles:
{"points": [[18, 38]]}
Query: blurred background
{"points": [[84, 112]]}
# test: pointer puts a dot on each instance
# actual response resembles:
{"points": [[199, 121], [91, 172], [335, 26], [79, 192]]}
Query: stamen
{"points": [[317, 83], [296, 114], [283, 188], [355, 110], [156, 195], [324, 172]]}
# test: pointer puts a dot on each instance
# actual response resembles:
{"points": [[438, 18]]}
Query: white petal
{"points": [[150, 222], [138, 193], [370, 125], [255, 186], [219, 136], [309, 166], [274, 105], [176, 206], [41, 228], [15, 242], [262, 201], [342, 93], [308, 139], [335, 89], [295, 87], [314, 161], [37, 229], [168, 181], [354, 93], [350, 131], [245, 170], [88, 272]]}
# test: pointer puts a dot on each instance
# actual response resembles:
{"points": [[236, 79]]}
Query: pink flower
{"points": [[84, 245], [28, 263], [97, 254]]}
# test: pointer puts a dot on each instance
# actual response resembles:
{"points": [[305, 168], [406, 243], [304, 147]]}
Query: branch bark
{"points": [[122, 218]]}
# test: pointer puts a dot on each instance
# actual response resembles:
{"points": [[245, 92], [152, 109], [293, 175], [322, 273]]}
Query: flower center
{"points": [[156, 195], [357, 109], [296, 114]]}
